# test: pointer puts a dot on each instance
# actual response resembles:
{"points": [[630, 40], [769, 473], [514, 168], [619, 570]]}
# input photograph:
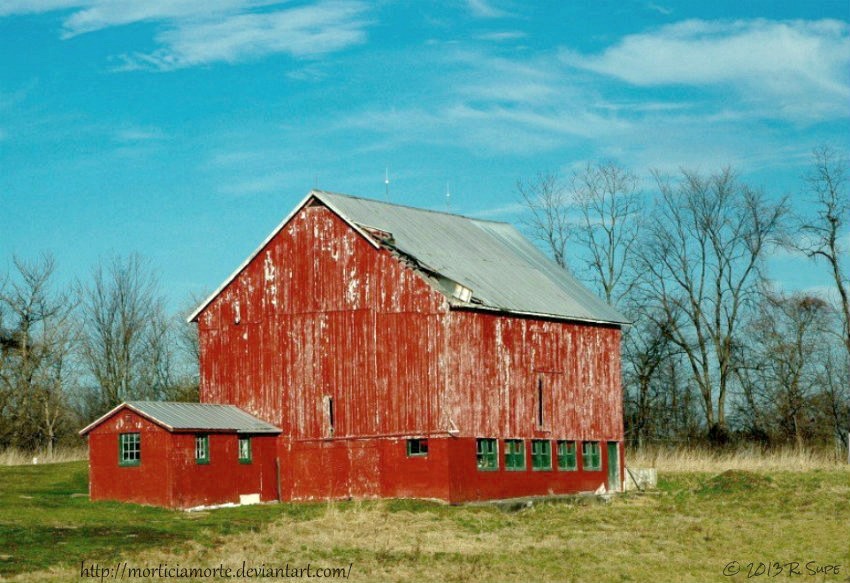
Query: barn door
{"points": [[613, 466]]}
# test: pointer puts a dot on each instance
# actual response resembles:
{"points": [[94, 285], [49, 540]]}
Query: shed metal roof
{"points": [[192, 417], [503, 269]]}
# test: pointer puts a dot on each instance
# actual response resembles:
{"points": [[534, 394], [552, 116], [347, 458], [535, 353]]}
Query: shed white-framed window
{"points": [[129, 449], [202, 449], [244, 450]]}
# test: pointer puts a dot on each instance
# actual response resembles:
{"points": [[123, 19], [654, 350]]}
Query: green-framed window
{"points": [[590, 456], [541, 454], [567, 456], [417, 447], [202, 449], [487, 454], [244, 450], [514, 454], [129, 449]]}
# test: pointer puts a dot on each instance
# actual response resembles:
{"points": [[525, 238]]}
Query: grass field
{"points": [[16, 457], [694, 525]]}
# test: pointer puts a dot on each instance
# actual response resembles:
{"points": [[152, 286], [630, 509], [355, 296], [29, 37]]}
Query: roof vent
{"points": [[462, 293]]}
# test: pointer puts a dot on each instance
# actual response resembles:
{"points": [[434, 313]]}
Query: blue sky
{"points": [[186, 129]]}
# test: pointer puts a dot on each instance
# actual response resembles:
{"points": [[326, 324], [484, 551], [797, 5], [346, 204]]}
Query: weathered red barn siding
{"points": [[224, 479], [365, 468], [168, 474], [495, 365], [147, 483], [321, 312], [497, 361]]}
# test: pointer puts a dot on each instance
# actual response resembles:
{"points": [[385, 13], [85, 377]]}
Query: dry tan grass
{"points": [[688, 530], [17, 457], [751, 458], [686, 534]]}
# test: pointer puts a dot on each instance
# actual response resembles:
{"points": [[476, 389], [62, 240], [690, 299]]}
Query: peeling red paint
{"points": [[323, 313]]}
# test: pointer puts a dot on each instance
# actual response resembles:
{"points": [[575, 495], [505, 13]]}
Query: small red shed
{"points": [[181, 455]]}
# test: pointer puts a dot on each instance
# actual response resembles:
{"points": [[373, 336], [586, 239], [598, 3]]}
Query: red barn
{"points": [[404, 352]]}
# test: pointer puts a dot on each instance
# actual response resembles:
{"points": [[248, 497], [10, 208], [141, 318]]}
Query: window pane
{"points": [[567, 455], [129, 449], [486, 454], [590, 458], [541, 454], [245, 449], [514, 454], [202, 448], [417, 447]]}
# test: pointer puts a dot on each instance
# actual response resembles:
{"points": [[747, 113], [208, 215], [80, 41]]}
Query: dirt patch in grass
{"points": [[735, 481]]}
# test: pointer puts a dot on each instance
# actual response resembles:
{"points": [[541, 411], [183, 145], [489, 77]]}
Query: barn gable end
{"points": [[319, 288]]}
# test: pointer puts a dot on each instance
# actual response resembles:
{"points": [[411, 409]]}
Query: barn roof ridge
{"points": [[407, 206], [182, 416]]}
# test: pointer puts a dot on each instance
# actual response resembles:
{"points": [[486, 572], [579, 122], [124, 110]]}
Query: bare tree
{"points": [[786, 346], [547, 199], [821, 233], [834, 398], [607, 198], [125, 343], [189, 352], [187, 335], [646, 348], [705, 243], [35, 357]]}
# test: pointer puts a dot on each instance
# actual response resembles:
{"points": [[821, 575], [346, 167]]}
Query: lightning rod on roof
{"points": [[387, 183]]}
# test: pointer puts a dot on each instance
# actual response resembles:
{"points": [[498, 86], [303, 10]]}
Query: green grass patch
{"points": [[735, 481], [47, 519], [688, 529]]}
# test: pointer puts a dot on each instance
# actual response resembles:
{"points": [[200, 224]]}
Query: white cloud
{"points": [[197, 32], [139, 134], [800, 68], [501, 211], [485, 9], [8, 7], [659, 8], [502, 36], [301, 32], [105, 14]]}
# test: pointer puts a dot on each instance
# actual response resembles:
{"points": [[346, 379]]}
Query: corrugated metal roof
{"points": [[193, 416], [203, 416], [504, 270]]}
